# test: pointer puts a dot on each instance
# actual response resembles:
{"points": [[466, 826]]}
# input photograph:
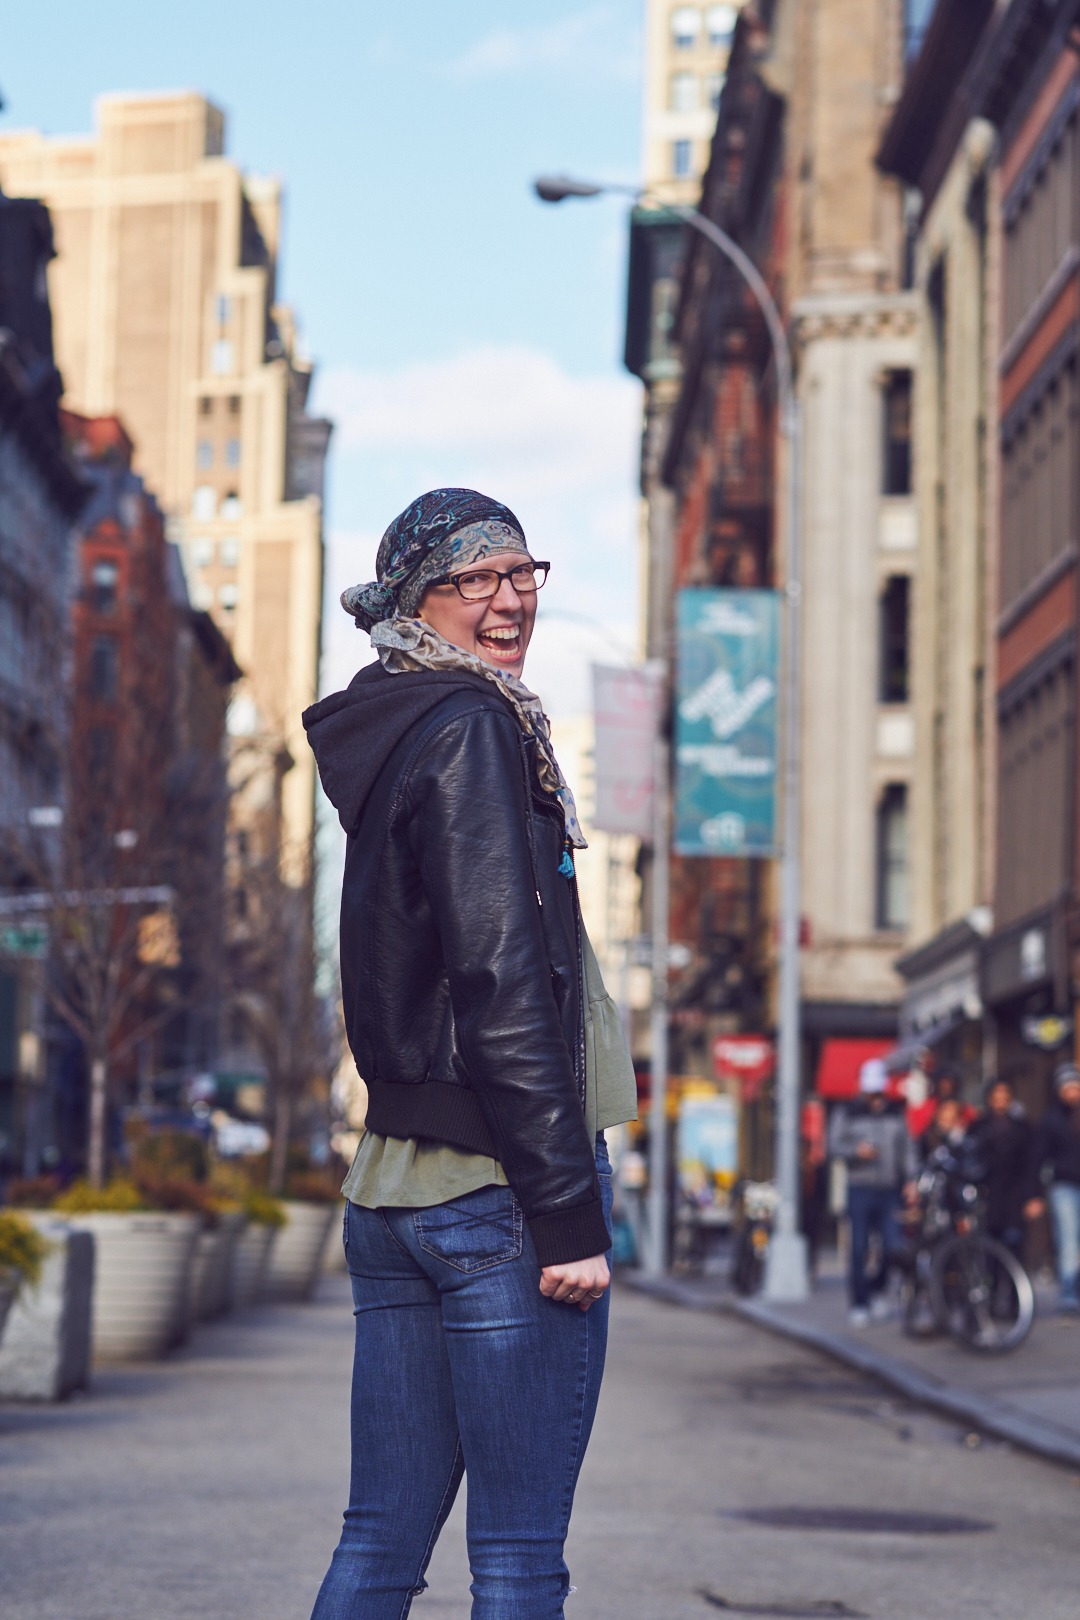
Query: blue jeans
{"points": [[872, 1209], [462, 1366], [1065, 1210]]}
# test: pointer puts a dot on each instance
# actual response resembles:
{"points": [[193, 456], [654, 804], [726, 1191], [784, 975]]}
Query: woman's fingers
{"points": [[580, 1284]]}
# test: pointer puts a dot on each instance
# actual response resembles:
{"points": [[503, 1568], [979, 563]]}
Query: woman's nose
{"points": [[506, 596]]}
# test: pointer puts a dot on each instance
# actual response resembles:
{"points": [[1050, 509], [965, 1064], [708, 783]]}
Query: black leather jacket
{"points": [[460, 940]]}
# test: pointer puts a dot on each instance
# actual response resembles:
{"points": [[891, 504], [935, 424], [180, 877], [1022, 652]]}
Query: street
{"points": [[211, 1486]]}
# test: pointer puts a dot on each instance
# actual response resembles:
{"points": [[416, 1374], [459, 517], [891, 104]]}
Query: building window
{"points": [[714, 84], [892, 858], [681, 159], [720, 22], [221, 357], [104, 580], [104, 669], [229, 551], [232, 453], [684, 92], [232, 506], [228, 596], [223, 308], [895, 608], [234, 404], [99, 753], [204, 502], [896, 410], [204, 455], [685, 27], [202, 551], [202, 596], [206, 405]]}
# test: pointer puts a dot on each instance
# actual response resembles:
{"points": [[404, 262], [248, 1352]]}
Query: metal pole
{"points": [[656, 1259], [786, 1270]]}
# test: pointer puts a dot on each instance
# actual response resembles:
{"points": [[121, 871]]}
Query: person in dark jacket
{"points": [[1057, 1154], [477, 1221], [872, 1139], [999, 1146]]}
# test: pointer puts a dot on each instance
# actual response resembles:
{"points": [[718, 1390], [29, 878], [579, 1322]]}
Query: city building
{"points": [[147, 796], [1028, 87], [791, 178], [40, 497], [167, 316], [941, 148]]}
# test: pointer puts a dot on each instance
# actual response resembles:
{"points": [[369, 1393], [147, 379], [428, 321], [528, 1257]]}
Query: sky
{"points": [[464, 333]]}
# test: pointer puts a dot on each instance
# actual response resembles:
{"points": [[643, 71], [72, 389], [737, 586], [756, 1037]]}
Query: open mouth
{"points": [[502, 643]]}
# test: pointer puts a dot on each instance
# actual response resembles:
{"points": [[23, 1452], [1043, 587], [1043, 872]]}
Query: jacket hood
{"points": [[353, 733]]}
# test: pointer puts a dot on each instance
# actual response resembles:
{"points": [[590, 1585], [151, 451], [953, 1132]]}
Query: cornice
{"points": [[815, 321]]}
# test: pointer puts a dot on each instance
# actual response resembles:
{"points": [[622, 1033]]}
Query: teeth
{"points": [[501, 635]]}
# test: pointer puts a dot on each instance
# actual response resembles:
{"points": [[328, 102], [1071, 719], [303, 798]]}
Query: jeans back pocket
{"points": [[481, 1229]]}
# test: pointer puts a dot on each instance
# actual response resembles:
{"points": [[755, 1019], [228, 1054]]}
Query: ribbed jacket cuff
{"points": [[570, 1234]]}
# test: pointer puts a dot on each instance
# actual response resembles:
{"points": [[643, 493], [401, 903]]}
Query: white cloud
{"points": [[560, 450], [593, 41]]}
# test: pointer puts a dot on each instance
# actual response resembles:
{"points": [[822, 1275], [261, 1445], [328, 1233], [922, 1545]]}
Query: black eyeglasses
{"points": [[479, 583]]}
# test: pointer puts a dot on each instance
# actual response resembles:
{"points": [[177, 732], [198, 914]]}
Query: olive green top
{"points": [[393, 1171]]}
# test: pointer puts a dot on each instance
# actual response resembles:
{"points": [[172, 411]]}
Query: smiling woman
{"points": [[481, 1189]]}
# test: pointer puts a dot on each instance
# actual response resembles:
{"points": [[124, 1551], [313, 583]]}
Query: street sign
{"points": [[28, 941], [726, 722]]}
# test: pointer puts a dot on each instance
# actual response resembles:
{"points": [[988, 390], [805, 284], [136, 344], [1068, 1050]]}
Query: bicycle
{"points": [[959, 1280]]}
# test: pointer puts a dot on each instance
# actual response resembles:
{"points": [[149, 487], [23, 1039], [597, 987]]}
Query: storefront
{"points": [[1026, 989], [942, 1009]]}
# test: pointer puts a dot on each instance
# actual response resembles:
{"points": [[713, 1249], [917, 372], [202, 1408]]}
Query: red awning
{"points": [[840, 1062]]}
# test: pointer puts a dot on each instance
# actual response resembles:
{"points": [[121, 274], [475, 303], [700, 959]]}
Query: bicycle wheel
{"points": [[981, 1294]]}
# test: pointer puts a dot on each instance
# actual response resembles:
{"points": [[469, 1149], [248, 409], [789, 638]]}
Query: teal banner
{"points": [[726, 722]]}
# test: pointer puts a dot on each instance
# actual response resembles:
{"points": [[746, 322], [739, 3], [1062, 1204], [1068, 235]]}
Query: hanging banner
{"points": [[626, 713], [726, 722]]}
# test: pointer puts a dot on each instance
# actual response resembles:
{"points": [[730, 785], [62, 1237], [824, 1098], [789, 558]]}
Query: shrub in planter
{"points": [[312, 1202], [22, 1255], [265, 1218]]}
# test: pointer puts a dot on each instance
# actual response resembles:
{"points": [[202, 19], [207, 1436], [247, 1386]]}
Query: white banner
{"points": [[626, 711]]}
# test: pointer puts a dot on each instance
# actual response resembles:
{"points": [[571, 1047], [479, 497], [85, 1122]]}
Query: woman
{"points": [[477, 1225]]}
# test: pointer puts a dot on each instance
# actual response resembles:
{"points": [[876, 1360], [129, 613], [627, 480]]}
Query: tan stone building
{"points": [[940, 146], [166, 314]]}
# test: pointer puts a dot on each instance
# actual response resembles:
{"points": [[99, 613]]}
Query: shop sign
{"points": [[748, 1059], [1047, 1032], [726, 722], [708, 1150], [1033, 955]]}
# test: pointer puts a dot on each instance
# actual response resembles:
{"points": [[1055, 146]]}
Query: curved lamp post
{"points": [[786, 1271]]}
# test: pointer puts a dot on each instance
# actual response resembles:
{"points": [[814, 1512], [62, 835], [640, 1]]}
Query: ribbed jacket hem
{"points": [[570, 1234], [435, 1108]]}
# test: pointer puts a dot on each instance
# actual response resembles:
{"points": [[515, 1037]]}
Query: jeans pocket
{"points": [[482, 1229]]}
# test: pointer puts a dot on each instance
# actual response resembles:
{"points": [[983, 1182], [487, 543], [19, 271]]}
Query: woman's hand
{"points": [[580, 1282]]}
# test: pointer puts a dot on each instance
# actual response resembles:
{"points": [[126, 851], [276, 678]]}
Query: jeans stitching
{"points": [[514, 1253], [395, 1240]]}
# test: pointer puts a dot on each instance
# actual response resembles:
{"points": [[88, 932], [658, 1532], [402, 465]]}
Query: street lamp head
{"points": [[556, 188]]}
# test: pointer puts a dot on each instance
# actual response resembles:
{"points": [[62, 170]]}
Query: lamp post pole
{"points": [[786, 1270]]}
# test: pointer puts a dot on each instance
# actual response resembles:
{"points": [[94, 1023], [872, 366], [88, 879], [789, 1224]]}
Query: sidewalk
{"points": [[1030, 1397]]}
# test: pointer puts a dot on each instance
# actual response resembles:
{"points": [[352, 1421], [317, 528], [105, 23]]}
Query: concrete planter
{"points": [[250, 1260], [213, 1268], [45, 1351], [297, 1255], [7, 1300], [142, 1287]]}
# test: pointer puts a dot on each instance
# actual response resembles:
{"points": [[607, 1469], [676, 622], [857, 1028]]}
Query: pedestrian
{"points": [[872, 1139], [477, 1221], [999, 1147], [1057, 1155], [945, 1087], [945, 1130]]}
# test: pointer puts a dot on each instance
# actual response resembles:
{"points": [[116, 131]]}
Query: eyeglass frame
{"points": [[503, 573]]}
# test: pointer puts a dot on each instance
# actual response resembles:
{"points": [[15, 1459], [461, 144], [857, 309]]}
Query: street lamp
{"points": [[786, 1271]]}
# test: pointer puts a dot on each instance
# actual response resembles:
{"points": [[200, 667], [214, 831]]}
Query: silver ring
{"points": [[571, 1296], [600, 1295]]}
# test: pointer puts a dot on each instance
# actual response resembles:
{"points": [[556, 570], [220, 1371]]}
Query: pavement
{"points": [[731, 1471], [1029, 1397]]}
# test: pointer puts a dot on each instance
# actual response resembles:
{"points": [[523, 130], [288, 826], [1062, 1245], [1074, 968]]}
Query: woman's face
{"points": [[498, 629]]}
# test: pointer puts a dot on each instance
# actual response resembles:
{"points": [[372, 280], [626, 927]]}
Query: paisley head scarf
{"points": [[440, 532]]}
